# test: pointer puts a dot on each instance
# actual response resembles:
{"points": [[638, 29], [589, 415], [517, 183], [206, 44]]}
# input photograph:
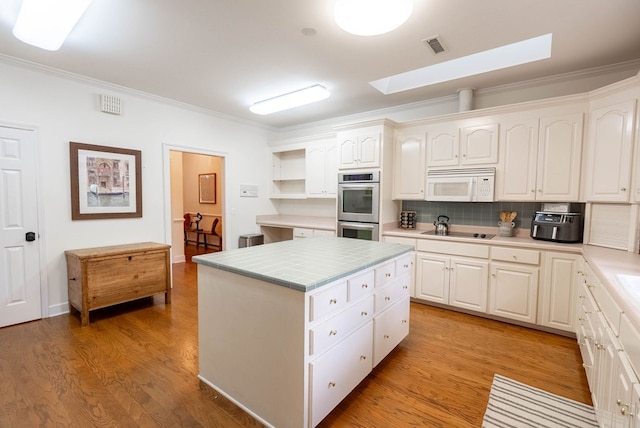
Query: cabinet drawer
{"points": [[122, 278], [388, 295], [630, 340], [299, 232], [385, 274], [455, 248], [404, 265], [327, 300], [608, 306], [340, 326], [515, 255], [361, 285], [389, 328], [336, 373]]}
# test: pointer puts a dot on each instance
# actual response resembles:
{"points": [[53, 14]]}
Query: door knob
{"points": [[30, 236]]}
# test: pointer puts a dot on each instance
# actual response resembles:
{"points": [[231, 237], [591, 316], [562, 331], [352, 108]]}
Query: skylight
{"points": [[518, 53]]}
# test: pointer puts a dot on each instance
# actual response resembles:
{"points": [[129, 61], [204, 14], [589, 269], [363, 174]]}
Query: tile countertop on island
{"points": [[606, 262], [309, 222], [303, 264]]}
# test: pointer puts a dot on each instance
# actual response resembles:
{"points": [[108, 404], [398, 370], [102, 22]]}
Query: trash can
{"points": [[251, 239]]}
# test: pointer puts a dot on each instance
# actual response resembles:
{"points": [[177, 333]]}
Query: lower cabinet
{"points": [[558, 291], [513, 291], [389, 328]]}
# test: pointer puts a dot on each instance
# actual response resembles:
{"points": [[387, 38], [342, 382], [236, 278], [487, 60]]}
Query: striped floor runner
{"points": [[513, 405]]}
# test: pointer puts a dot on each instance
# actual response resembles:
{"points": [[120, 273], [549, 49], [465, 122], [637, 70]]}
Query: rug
{"points": [[513, 405]]}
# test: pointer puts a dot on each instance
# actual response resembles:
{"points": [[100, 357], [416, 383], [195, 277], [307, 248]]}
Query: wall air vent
{"points": [[434, 44], [110, 104]]}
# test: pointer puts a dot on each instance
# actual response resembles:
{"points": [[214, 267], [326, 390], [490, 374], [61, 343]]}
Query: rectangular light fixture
{"points": [[529, 50], [292, 99], [47, 23]]}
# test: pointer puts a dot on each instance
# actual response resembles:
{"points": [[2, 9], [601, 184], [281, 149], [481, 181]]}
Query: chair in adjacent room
{"points": [[215, 238], [187, 227]]}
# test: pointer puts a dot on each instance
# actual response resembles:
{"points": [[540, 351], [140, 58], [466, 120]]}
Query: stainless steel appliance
{"points": [[442, 227], [557, 227], [461, 185], [359, 204], [367, 231], [359, 196]]}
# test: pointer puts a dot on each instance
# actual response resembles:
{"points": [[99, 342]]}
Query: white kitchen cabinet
{"points": [[609, 153], [457, 281], [358, 149], [540, 159], [389, 328], [322, 169], [409, 170], [622, 392], [558, 291], [459, 144], [303, 232], [513, 291], [559, 158], [288, 173]]}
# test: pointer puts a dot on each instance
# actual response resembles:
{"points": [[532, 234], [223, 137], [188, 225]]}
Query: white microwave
{"points": [[461, 185]]}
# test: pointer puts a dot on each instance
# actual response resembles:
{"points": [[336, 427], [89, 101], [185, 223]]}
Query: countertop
{"points": [[308, 222], [304, 264]]}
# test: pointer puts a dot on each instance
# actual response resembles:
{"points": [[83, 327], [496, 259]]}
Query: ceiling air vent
{"points": [[434, 44]]}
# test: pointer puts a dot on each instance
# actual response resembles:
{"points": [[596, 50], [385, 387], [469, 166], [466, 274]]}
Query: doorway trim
{"points": [[166, 172]]}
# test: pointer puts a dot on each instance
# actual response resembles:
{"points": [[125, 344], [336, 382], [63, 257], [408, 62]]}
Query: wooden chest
{"points": [[104, 276]]}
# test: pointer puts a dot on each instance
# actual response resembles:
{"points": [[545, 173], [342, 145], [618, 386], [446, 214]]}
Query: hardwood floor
{"points": [[136, 365]]}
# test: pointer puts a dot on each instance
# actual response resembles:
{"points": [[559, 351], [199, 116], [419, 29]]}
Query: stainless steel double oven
{"points": [[359, 204]]}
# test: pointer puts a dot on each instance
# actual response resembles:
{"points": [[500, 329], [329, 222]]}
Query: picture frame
{"points": [[106, 182], [207, 188]]}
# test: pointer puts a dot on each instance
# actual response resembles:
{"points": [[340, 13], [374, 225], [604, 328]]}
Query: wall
{"points": [[193, 165], [64, 109]]}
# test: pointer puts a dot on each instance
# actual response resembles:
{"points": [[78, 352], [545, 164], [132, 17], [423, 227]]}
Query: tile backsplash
{"points": [[473, 213]]}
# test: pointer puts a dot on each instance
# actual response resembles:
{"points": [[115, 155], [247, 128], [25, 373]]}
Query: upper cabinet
{"points": [[455, 144], [322, 169], [409, 172], [359, 150], [288, 173], [540, 158], [609, 153]]}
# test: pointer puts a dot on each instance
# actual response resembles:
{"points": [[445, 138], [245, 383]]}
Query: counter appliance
{"points": [[557, 227], [461, 185]]}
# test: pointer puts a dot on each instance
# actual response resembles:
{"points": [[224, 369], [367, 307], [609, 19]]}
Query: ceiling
{"points": [[224, 55]]}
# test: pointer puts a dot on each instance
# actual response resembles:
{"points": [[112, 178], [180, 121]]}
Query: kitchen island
{"points": [[287, 330]]}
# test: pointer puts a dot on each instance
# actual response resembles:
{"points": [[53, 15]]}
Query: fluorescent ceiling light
{"points": [[47, 23], [371, 17], [292, 99], [506, 56]]}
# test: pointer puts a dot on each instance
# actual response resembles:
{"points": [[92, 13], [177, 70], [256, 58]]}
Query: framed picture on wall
{"points": [[207, 188], [106, 182]]}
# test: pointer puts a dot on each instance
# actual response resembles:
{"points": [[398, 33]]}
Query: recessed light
{"points": [[534, 49]]}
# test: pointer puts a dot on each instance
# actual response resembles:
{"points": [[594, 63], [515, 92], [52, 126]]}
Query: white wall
{"points": [[64, 109]]}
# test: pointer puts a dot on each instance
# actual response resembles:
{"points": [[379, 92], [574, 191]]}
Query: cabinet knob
{"points": [[333, 332], [388, 275], [387, 298], [363, 313], [404, 287], [363, 357], [332, 384], [333, 301], [404, 321], [623, 189], [386, 336], [365, 285]]}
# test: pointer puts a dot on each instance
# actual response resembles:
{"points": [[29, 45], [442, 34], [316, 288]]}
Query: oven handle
{"points": [[357, 186], [358, 226]]}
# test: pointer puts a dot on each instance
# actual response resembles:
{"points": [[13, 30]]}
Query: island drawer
{"points": [[336, 373], [388, 295], [338, 327], [515, 255], [385, 274], [329, 299], [389, 328], [404, 264], [361, 285]]}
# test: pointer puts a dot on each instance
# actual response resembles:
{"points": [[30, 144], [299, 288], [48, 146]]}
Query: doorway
{"points": [[187, 169]]}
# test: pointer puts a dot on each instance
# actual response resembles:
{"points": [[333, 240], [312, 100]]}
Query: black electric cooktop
{"points": [[462, 234]]}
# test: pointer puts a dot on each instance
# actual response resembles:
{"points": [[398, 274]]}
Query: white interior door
{"points": [[20, 259]]}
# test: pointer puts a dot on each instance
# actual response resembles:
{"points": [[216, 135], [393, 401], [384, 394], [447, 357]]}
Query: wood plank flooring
{"points": [[136, 364]]}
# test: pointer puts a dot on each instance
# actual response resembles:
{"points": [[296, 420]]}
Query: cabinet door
{"points": [[315, 170], [389, 328], [369, 151], [623, 381], [513, 291], [604, 367], [331, 170], [347, 145], [609, 153], [516, 174], [468, 284], [442, 146], [432, 282], [559, 155], [409, 167], [479, 145], [557, 309]]}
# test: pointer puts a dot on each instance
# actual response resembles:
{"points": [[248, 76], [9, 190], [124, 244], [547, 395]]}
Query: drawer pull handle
{"points": [[333, 332], [332, 384], [72, 279], [404, 321], [388, 275], [515, 258], [363, 357], [365, 285], [333, 301], [404, 287], [386, 336], [129, 258], [406, 266], [363, 313], [387, 298]]}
